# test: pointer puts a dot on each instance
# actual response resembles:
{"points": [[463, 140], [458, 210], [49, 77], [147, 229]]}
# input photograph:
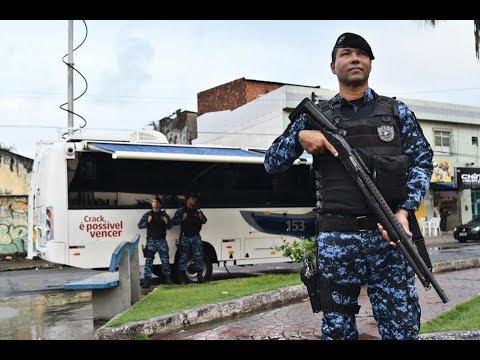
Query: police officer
{"points": [[351, 246], [157, 221], [190, 218]]}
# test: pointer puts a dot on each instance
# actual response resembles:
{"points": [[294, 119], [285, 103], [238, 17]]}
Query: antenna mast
{"points": [[70, 78]]}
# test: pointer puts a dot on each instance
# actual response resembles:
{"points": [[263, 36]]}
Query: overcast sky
{"points": [[140, 71]]}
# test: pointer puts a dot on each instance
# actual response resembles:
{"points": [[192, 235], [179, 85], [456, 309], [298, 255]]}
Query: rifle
{"points": [[359, 172]]}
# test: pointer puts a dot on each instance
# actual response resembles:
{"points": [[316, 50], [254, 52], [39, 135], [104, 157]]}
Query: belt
{"points": [[345, 223]]}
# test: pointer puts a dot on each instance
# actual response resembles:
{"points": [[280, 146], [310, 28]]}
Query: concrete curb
{"points": [[452, 335], [170, 323], [456, 265], [174, 322]]}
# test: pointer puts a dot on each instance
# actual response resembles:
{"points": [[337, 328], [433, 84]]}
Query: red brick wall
{"points": [[231, 95], [223, 97], [254, 89]]}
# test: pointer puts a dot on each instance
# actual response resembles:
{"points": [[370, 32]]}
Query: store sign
{"points": [[442, 172], [468, 178]]}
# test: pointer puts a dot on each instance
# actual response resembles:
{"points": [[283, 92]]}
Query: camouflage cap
{"points": [[350, 40]]}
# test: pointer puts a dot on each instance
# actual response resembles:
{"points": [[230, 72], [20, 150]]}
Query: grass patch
{"points": [[167, 299], [465, 316]]}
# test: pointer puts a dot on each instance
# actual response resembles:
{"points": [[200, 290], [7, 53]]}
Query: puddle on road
{"points": [[49, 316]]}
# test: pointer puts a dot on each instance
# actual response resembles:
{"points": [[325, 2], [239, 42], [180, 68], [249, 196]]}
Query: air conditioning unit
{"points": [[148, 136]]}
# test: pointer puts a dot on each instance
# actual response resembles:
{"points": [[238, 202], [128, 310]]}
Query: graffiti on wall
{"points": [[13, 224]]}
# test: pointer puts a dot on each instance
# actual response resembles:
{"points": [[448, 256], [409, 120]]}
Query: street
{"points": [[33, 304]]}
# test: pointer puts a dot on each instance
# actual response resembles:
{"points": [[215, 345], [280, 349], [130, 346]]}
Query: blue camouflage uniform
{"points": [[192, 240], [364, 257], [156, 243]]}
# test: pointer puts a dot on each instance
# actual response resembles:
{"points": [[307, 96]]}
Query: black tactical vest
{"points": [[376, 138], [156, 229], [192, 224]]}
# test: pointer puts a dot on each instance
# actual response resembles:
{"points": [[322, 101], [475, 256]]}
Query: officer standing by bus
{"points": [[190, 218], [157, 221], [351, 246]]}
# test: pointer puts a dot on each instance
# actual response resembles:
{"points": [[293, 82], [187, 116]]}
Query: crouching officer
{"points": [[157, 222], [190, 218]]}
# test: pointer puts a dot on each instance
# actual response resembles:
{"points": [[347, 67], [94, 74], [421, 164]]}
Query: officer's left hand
{"points": [[402, 217]]}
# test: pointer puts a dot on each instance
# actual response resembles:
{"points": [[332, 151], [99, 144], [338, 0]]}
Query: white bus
{"points": [[87, 195]]}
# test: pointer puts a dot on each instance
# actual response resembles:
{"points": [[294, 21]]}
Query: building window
{"points": [[475, 140], [442, 141]]}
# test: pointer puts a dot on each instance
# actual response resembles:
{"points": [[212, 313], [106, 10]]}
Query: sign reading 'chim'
{"points": [[468, 178]]}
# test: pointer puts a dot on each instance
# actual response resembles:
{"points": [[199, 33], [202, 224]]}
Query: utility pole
{"points": [[70, 78]]}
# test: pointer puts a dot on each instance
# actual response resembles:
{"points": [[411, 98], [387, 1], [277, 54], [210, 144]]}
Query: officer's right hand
{"points": [[149, 218], [314, 142], [184, 216]]}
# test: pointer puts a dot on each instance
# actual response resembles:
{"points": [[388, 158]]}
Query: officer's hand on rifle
{"points": [[402, 217], [314, 142]]}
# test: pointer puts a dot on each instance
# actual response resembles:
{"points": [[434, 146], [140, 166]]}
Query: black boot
{"points": [[182, 277], [200, 278], [168, 280], [146, 283]]}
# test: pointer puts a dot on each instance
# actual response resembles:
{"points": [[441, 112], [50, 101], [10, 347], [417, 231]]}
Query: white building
{"points": [[452, 130]]}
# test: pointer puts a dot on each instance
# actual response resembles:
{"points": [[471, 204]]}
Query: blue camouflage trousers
{"points": [[160, 246], [361, 258], [195, 244]]}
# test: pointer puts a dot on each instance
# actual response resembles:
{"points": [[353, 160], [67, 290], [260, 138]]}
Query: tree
{"points": [[476, 34], [156, 124]]}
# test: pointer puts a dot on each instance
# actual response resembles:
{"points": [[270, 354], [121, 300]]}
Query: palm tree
{"points": [[155, 125], [476, 34]]}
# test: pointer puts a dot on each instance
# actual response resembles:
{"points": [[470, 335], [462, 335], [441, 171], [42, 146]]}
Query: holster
{"points": [[310, 279], [319, 292], [147, 253]]}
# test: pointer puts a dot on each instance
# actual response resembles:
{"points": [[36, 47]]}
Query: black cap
{"points": [[351, 40], [191, 195]]}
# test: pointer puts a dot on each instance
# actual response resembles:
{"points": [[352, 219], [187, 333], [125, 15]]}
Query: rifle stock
{"points": [[355, 167]]}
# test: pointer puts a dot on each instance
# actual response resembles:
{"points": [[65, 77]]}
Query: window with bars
{"points": [[442, 141]]}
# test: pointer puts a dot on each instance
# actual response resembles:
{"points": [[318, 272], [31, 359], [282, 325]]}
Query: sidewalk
{"points": [[286, 313], [20, 262]]}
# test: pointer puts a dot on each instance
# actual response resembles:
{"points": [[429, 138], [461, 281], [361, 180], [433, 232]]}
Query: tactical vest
{"points": [[156, 229], [192, 224], [376, 138]]}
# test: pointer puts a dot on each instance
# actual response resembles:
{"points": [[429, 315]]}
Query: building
{"points": [[233, 94], [15, 175], [180, 128], [452, 130]]}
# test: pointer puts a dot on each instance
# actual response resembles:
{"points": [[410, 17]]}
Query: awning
{"points": [[439, 186], [182, 153]]}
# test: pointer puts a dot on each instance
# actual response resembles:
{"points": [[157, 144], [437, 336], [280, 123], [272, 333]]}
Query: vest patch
{"points": [[386, 132]]}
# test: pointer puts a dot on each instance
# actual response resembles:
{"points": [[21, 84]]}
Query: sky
{"points": [[140, 71]]}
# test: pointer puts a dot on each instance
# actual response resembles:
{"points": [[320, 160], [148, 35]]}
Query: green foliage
{"points": [[171, 299], [296, 249], [465, 316]]}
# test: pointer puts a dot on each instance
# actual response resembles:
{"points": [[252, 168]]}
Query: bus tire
{"points": [[191, 274]]}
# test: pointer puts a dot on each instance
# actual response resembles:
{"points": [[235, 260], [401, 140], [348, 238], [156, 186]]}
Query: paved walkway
{"points": [[297, 321]]}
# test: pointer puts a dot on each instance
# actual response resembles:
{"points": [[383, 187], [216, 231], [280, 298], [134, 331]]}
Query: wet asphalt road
{"points": [[34, 306]]}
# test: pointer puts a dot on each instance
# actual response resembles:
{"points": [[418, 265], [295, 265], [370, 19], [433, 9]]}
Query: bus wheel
{"points": [[206, 271]]}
